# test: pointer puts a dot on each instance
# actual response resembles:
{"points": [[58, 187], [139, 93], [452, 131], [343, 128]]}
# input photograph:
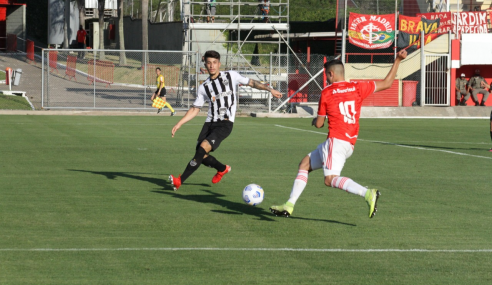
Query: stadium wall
{"points": [[162, 36]]}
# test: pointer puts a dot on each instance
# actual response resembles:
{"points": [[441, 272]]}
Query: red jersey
{"points": [[341, 103], [81, 36]]}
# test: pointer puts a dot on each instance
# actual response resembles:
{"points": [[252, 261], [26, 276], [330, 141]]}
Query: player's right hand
{"points": [[175, 129], [313, 123]]}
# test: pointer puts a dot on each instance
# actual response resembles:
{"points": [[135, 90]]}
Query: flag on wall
{"points": [[414, 25], [470, 23], [371, 31], [406, 39], [445, 23], [430, 26]]}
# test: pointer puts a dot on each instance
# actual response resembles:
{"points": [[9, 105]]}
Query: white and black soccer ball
{"points": [[253, 194]]}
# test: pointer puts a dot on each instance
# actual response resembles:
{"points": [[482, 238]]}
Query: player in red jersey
{"points": [[341, 103]]}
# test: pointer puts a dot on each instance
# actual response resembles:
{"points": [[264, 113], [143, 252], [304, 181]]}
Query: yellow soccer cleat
{"points": [[372, 196]]}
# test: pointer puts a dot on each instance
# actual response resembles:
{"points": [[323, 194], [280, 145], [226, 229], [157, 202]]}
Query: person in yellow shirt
{"points": [[161, 92]]}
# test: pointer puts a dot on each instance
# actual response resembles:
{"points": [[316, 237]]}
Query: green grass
{"points": [[98, 186], [8, 102], [2, 75]]}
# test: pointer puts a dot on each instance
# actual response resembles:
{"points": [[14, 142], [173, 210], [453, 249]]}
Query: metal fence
{"points": [[114, 79]]}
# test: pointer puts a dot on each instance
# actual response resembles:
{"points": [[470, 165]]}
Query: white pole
{"points": [[42, 78], [344, 45], [396, 26], [422, 69]]}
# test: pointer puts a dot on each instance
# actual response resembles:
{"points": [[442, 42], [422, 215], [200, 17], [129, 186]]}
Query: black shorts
{"points": [[163, 92], [215, 133]]}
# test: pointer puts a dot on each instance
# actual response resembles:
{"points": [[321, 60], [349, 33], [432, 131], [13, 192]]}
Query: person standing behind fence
{"points": [[161, 92], [81, 35], [265, 9], [461, 89], [475, 85], [211, 10]]}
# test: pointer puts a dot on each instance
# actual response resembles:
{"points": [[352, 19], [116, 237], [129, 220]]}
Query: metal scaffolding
{"points": [[233, 31]]}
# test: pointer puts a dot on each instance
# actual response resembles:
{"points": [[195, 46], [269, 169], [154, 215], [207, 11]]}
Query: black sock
{"points": [[491, 135], [194, 163], [210, 161]]}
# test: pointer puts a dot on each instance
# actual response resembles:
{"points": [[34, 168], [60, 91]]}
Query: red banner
{"points": [[414, 25], [371, 31], [446, 23], [469, 23], [411, 25]]}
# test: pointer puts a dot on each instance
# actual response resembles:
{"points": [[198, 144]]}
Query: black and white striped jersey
{"points": [[221, 94]]}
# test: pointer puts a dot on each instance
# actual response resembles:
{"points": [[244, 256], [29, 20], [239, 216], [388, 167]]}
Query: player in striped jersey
{"points": [[341, 102], [220, 91]]}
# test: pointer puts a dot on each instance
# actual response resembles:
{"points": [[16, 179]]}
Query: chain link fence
{"points": [[113, 79]]}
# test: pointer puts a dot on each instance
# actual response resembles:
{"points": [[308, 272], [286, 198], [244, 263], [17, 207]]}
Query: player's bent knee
{"points": [[206, 146], [329, 179], [305, 163]]}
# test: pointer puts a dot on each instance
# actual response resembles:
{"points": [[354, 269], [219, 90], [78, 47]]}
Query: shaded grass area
{"points": [[96, 188], [8, 102]]}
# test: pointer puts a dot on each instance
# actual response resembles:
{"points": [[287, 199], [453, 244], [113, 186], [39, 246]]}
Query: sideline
{"points": [[247, 249]]}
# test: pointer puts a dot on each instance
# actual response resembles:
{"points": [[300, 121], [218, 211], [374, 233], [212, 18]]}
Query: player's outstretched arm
{"points": [[318, 121], [388, 80], [258, 85], [192, 112]]}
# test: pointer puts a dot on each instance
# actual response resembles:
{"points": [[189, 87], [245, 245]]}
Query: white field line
{"points": [[246, 249], [395, 144]]}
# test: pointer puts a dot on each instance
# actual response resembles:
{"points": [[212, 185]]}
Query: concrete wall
{"points": [[16, 24], [162, 36]]}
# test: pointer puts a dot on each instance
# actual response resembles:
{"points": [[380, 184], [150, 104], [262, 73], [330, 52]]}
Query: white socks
{"points": [[348, 185], [343, 183], [299, 185]]}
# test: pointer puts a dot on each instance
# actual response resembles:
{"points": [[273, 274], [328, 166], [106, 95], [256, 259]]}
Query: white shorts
{"points": [[331, 156]]}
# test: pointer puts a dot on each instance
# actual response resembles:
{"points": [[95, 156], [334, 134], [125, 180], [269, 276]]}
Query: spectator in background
{"points": [[461, 84], [211, 10], [81, 35], [265, 9], [476, 87]]}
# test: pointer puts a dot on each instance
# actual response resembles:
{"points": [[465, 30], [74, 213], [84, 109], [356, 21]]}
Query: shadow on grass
{"points": [[137, 176], [233, 208], [433, 147]]}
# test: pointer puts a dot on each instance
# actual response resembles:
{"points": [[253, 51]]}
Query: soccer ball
{"points": [[253, 194]]}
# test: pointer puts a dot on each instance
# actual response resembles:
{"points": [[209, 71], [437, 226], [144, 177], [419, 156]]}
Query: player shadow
{"points": [[138, 176], [322, 220], [433, 146], [233, 208]]}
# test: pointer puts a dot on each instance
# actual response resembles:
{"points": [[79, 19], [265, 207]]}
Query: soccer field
{"points": [[85, 200]]}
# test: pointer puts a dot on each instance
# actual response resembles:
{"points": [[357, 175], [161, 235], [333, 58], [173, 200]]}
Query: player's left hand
{"points": [[402, 54], [276, 93]]}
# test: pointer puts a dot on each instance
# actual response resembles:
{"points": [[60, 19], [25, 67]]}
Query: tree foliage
{"points": [[312, 10]]}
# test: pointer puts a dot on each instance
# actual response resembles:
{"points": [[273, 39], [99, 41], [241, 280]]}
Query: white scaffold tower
{"points": [[241, 32]]}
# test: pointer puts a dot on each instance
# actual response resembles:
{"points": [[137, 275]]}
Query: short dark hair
{"points": [[158, 68], [332, 62], [80, 27], [212, 54]]}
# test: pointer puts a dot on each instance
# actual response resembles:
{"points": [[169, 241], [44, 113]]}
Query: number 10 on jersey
{"points": [[347, 109]]}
